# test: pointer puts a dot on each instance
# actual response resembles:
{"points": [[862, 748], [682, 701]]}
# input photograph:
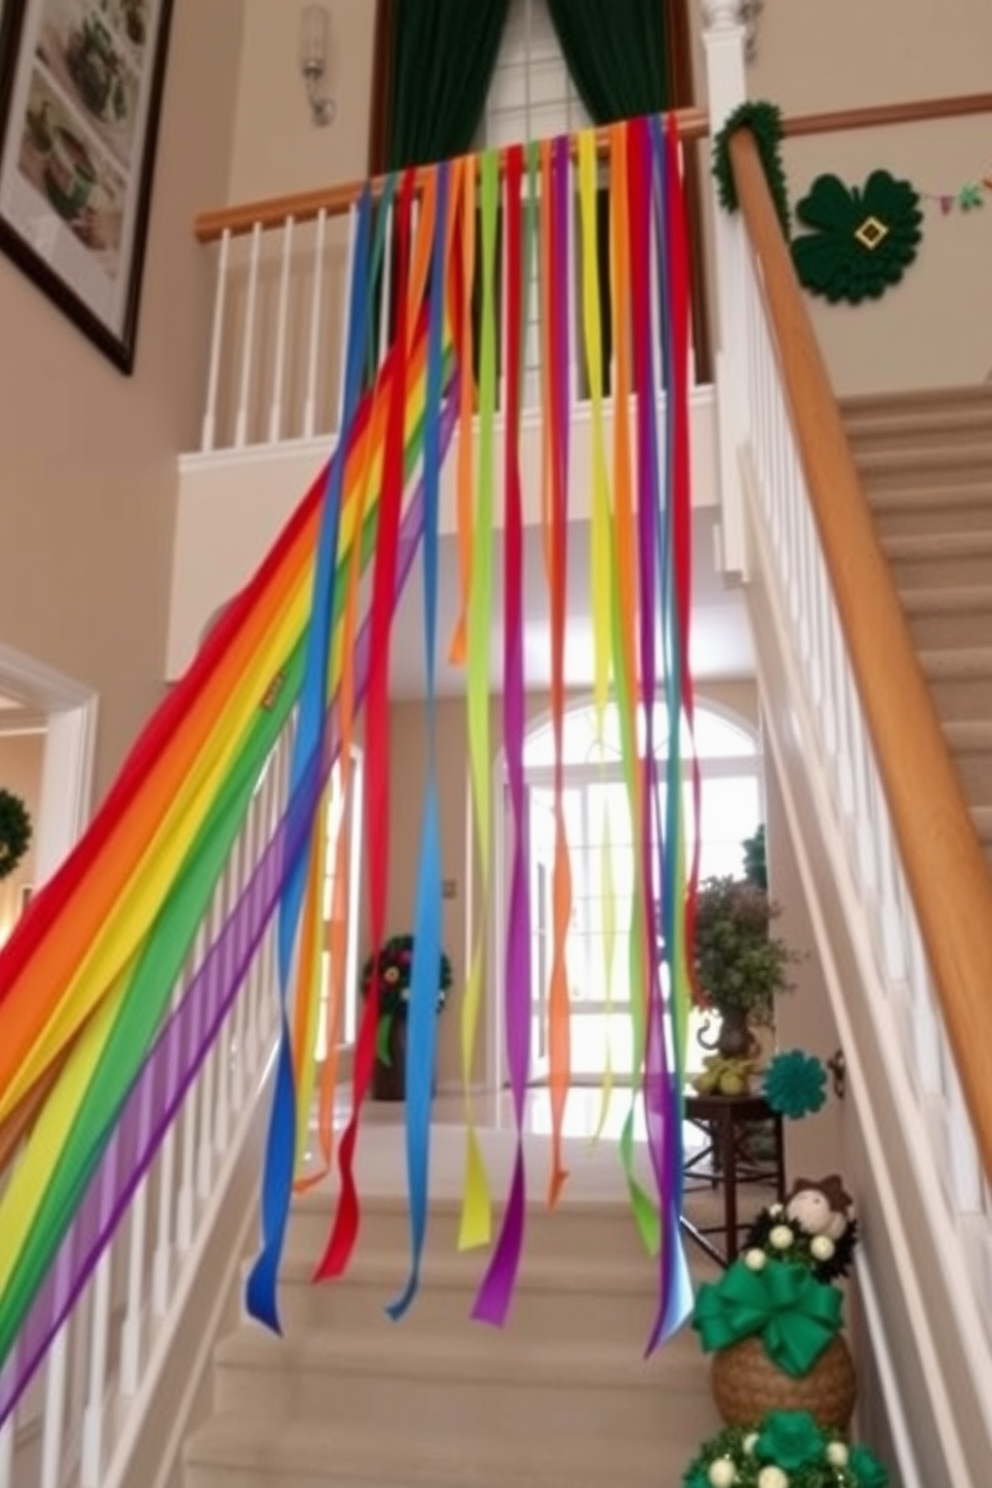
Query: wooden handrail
{"points": [[694, 124], [947, 874]]}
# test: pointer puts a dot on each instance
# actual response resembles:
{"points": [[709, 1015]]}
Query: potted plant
{"points": [[740, 966], [386, 976]]}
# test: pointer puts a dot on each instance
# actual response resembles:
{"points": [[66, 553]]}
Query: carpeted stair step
{"points": [[960, 681], [580, 1302], [933, 509], [982, 817], [952, 416], [239, 1450], [478, 1377], [935, 466], [595, 1228], [953, 617], [941, 559], [970, 742]]}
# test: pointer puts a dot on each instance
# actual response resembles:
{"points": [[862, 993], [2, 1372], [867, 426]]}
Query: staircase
{"points": [[561, 1396], [926, 461]]}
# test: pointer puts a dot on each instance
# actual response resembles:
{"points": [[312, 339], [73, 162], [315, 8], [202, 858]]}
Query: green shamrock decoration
{"points": [[863, 239]]}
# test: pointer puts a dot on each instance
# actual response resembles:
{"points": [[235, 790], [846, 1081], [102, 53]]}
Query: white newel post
{"points": [[724, 38]]}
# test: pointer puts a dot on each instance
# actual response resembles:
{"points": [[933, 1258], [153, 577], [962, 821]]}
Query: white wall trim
{"points": [[70, 710]]}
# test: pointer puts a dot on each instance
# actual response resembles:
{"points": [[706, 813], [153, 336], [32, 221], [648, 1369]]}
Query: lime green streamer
{"points": [[475, 1226]]}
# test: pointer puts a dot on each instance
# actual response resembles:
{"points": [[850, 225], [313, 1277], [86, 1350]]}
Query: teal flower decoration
{"points": [[795, 1084], [865, 1468], [863, 239], [790, 1439]]}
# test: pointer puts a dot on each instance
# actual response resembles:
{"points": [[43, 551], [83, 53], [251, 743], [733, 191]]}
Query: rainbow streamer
{"points": [[95, 1043]]}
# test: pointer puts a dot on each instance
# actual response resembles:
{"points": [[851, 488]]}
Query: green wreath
{"points": [[863, 239], [15, 832], [765, 122]]}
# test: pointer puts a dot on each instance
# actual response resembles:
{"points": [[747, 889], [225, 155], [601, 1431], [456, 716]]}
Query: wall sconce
{"points": [[750, 12], [314, 29]]}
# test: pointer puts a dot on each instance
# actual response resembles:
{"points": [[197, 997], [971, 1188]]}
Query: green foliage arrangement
{"points": [[739, 964], [15, 832], [765, 122], [786, 1449], [387, 976]]}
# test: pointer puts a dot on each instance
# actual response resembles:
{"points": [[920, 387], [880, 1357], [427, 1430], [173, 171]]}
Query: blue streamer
{"points": [[422, 1011], [280, 1152]]}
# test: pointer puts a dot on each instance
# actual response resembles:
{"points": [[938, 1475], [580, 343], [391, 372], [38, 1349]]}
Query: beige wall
{"points": [[277, 147], [20, 773], [88, 457], [935, 328]]}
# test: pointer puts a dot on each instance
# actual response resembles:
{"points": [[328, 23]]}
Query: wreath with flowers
{"points": [[786, 1449], [387, 975]]}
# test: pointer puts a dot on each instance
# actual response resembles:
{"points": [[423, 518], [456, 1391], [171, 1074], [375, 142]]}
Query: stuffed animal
{"points": [[822, 1207]]}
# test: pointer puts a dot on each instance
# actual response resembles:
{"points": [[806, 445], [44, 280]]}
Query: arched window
{"points": [[600, 839]]}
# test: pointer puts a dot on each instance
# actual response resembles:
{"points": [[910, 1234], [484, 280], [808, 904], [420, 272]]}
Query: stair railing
{"points": [[281, 278], [912, 878], [81, 1418]]}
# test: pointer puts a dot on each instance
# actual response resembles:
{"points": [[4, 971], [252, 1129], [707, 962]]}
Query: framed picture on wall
{"points": [[80, 95]]}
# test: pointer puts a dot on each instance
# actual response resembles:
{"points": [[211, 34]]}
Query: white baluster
{"points": [[248, 345], [216, 339], [53, 1418], [7, 1453], [162, 1267], [316, 302], [93, 1417], [131, 1331], [925, 1031], [278, 377]]}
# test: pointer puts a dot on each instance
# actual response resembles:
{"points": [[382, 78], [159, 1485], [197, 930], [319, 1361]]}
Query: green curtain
{"points": [[444, 52], [615, 51]]}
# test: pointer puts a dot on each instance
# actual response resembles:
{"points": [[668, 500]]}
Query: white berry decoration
{"points": [[781, 1238], [837, 1454], [723, 1473], [755, 1260], [821, 1247], [772, 1477]]}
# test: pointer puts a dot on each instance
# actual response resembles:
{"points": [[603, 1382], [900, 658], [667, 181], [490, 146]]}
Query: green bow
{"points": [[795, 1315]]}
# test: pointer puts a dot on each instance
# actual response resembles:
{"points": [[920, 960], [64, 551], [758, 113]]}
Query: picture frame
{"points": [[81, 86]]}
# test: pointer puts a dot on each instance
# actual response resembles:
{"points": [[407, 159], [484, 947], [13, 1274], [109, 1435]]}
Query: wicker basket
{"points": [[746, 1384]]}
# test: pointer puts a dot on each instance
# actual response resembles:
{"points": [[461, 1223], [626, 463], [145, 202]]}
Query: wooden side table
{"points": [[728, 1121]]}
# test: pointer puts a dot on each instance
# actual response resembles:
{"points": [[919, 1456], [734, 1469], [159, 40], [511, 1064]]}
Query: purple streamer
{"points": [[185, 1041]]}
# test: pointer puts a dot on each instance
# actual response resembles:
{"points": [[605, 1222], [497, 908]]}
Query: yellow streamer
{"points": [[600, 574], [476, 1215]]}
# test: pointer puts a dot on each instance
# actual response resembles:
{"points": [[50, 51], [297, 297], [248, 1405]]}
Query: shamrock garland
{"points": [[863, 239], [786, 1449], [15, 832], [765, 122]]}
